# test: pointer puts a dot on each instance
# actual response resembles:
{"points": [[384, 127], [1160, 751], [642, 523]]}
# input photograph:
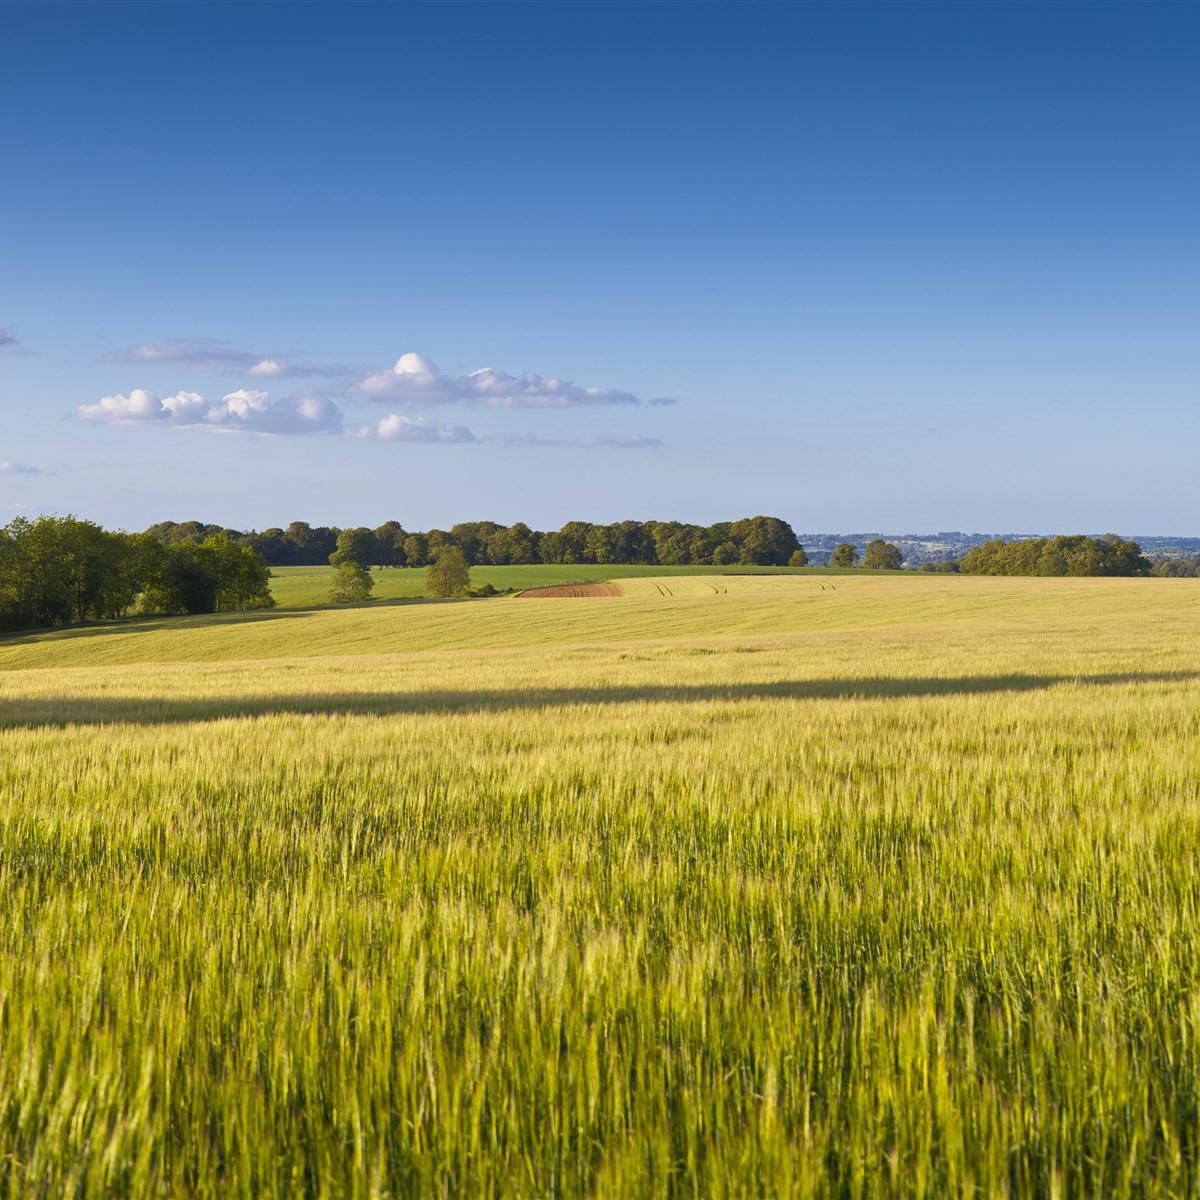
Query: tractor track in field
{"points": [[571, 591]]}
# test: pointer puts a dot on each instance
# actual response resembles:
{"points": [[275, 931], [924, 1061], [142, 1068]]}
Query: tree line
{"points": [[61, 570], [753, 541], [1074, 554], [1177, 568]]}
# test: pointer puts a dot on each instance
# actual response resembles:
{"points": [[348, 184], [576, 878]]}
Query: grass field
{"points": [[861, 886], [295, 587]]}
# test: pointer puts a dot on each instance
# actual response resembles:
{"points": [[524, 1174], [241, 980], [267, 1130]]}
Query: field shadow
{"points": [[384, 602], [134, 626], [61, 711]]}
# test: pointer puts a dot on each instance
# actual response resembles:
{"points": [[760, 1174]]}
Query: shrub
{"points": [[449, 574], [352, 584]]}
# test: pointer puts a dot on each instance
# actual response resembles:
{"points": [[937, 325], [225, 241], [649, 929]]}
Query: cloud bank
{"points": [[249, 411], [416, 380], [242, 411], [413, 382], [215, 354], [397, 428]]}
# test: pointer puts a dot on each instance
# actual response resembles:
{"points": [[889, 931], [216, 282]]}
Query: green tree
{"points": [[672, 542], [88, 554], [552, 548], [1176, 568], [243, 579], [449, 574], [845, 554], [474, 538], [603, 545], [36, 588], [416, 550], [883, 556], [352, 583], [186, 583], [1072, 554], [1125, 556], [765, 541], [56, 570], [636, 542], [272, 545], [516, 544], [389, 544], [140, 573], [354, 545], [309, 546], [437, 539], [798, 558], [573, 541]]}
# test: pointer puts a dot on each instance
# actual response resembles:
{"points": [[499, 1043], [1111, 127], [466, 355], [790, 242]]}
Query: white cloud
{"points": [[416, 380], [10, 468], [135, 408], [397, 428], [274, 368], [190, 352], [242, 411], [7, 337], [215, 354]]}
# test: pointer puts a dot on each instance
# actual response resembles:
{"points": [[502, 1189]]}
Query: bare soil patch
{"points": [[572, 590]]}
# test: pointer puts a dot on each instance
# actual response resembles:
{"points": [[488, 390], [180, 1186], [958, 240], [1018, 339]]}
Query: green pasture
{"points": [[302, 587]]}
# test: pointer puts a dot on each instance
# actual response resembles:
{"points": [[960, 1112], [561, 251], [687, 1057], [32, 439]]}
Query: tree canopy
{"points": [[352, 583], [1177, 568], [761, 540], [448, 573], [62, 570], [883, 556], [1074, 554], [356, 546]]}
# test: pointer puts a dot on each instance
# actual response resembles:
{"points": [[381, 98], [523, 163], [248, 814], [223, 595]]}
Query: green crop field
{"points": [[306, 587], [812, 885]]}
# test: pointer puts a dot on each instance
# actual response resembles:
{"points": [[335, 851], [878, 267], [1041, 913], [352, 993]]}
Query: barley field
{"points": [[832, 886]]}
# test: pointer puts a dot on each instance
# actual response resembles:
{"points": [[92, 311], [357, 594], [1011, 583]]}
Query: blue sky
{"points": [[899, 266]]}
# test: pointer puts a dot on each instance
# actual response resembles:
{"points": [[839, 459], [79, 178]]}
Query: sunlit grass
{"points": [[884, 890], [295, 587]]}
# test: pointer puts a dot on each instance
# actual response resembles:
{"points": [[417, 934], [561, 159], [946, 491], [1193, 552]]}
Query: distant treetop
{"points": [[753, 541], [1075, 554]]}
